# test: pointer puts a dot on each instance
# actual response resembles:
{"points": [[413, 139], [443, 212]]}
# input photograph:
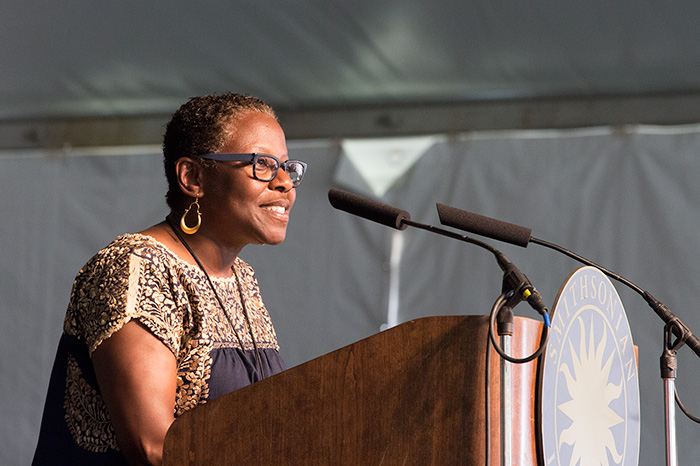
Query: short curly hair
{"points": [[199, 127]]}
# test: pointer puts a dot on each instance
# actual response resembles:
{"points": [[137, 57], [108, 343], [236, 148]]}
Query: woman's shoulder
{"points": [[137, 243], [122, 248], [134, 276]]}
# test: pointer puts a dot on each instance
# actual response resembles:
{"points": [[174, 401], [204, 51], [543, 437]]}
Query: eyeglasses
{"points": [[265, 166]]}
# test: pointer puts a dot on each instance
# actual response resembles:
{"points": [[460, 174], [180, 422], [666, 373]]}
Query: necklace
{"points": [[221, 303]]}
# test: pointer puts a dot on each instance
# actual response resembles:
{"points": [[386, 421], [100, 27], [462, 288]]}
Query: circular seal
{"points": [[589, 392]]}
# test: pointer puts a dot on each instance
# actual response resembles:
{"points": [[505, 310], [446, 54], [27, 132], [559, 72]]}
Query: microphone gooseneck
{"points": [[657, 306]]}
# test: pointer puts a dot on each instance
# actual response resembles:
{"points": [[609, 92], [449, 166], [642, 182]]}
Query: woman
{"points": [[168, 318]]}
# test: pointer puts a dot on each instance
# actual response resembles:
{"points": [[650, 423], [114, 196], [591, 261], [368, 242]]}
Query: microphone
{"points": [[483, 226], [369, 209], [400, 219], [521, 236]]}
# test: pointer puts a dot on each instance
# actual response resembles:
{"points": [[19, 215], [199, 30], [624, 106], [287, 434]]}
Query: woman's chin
{"points": [[273, 239]]}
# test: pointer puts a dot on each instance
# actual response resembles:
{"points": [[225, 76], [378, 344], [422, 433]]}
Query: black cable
{"points": [[682, 408], [492, 336], [492, 342]]}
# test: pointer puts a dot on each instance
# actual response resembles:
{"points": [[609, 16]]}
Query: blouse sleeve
{"points": [[117, 286]]}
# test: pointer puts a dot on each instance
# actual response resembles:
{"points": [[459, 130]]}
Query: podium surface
{"points": [[410, 395]]}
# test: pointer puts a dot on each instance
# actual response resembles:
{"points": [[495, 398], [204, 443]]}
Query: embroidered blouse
{"points": [[136, 277]]}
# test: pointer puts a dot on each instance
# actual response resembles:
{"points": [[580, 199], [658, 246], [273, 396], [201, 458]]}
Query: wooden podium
{"points": [[411, 395]]}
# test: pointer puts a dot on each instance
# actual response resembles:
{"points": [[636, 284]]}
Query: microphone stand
{"points": [[505, 331], [668, 375], [516, 288], [673, 327], [521, 236]]}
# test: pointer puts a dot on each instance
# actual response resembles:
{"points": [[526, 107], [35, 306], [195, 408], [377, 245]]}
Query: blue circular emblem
{"points": [[589, 397]]}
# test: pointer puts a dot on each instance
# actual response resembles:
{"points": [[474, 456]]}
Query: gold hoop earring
{"points": [[183, 224]]}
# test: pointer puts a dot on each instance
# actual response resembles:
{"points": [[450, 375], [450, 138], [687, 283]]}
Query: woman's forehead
{"points": [[255, 132]]}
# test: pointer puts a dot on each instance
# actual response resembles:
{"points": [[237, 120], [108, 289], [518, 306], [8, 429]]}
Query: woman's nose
{"points": [[282, 181]]}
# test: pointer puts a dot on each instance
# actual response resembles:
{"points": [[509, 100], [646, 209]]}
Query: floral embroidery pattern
{"points": [[86, 415]]}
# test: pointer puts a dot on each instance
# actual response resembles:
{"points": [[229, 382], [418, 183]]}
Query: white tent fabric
{"points": [[72, 58], [108, 60], [628, 200]]}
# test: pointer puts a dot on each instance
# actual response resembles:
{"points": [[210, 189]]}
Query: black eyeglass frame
{"points": [[253, 157]]}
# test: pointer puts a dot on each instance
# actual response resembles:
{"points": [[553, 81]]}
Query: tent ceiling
{"points": [[371, 67]]}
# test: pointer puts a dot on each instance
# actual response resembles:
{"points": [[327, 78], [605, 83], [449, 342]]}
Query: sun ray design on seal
{"points": [[589, 408]]}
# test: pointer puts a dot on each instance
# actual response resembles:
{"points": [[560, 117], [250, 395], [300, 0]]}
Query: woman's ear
{"points": [[189, 176]]}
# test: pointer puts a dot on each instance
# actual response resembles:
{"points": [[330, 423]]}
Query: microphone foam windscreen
{"points": [[484, 226], [368, 208]]}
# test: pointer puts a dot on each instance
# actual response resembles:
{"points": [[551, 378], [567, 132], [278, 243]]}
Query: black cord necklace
{"points": [[221, 303]]}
